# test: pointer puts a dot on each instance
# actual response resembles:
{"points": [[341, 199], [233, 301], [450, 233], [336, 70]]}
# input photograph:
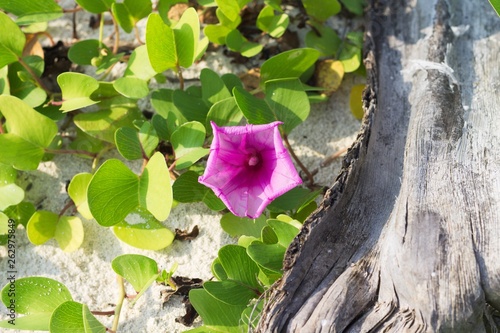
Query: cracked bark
{"points": [[408, 237]]}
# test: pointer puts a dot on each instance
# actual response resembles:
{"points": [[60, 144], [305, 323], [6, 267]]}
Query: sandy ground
{"points": [[87, 272]]}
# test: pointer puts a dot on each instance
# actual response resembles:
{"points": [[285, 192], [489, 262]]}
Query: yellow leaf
{"points": [[329, 75], [356, 101]]}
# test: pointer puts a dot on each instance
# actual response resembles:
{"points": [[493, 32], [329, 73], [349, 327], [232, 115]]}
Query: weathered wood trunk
{"points": [[408, 237]]}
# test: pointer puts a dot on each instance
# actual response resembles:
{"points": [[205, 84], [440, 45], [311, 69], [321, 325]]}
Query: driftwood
{"points": [[408, 237]]}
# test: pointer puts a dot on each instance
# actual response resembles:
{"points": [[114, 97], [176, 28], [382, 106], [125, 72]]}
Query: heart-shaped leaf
{"points": [[187, 34], [254, 109], [269, 256], [239, 266], [140, 271], [192, 107], [76, 90], [74, 317], [324, 39], [84, 51], [271, 23], [115, 191], [224, 113]]}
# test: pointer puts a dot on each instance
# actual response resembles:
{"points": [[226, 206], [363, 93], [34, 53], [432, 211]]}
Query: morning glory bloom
{"points": [[248, 167]]}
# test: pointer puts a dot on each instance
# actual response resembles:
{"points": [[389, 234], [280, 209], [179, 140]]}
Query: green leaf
{"points": [[23, 85], [324, 39], [216, 315], [162, 101], [192, 107], [77, 191], [238, 226], [288, 101], [130, 12], [10, 195], [357, 6], [76, 89], [217, 33], [230, 292], [95, 6], [132, 87], [32, 11], [350, 56], [187, 189], [269, 256], [41, 227], [74, 317], [69, 233], [224, 113], [160, 43], [103, 124], [83, 52], [321, 10], [213, 88], [27, 123], [143, 231], [19, 153], [12, 41], [235, 41], [273, 24], [255, 110], [137, 269], [36, 298], [229, 8], [187, 142], [294, 199], [285, 232], [155, 189], [115, 191], [128, 143], [239, 266], [187, 34], [4, 81], [112, 193], [288, 64], [139, 64], [21, 213]]}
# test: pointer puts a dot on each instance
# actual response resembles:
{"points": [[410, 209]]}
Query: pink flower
{"points": [[248, 167]]}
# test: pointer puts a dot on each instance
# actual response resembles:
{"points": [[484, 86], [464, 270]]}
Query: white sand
{"points": [[87, 272]]}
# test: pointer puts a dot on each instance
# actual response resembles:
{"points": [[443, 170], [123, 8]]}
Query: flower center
{"points": [[253, 160]]}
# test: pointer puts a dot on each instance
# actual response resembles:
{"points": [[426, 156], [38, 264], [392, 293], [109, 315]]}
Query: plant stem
{"points": [[118, 308], [310, 177], [103, 313], [332, 157], [117, 35], [35, 77], [181, 78], [70, 151], [66, 207]]}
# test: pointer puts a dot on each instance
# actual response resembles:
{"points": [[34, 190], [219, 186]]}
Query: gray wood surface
{"points": [[408, 237]]}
